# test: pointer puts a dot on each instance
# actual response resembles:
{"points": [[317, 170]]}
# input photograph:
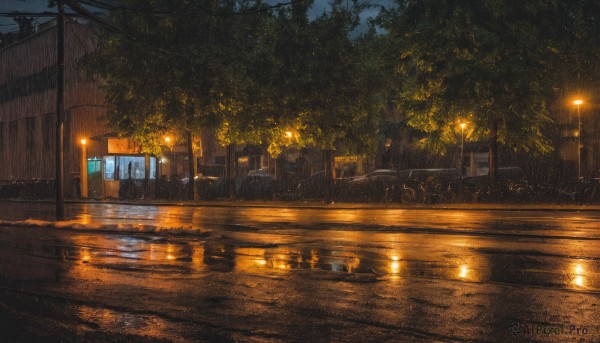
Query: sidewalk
{"points": [[343, 206]]}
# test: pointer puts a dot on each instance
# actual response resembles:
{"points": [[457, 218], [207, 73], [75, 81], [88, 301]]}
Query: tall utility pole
{"points": [[578, 103], [191, 190], [462, 148], [60, 120], [579, 142]]}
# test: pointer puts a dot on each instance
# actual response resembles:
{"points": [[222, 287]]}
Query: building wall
{"points": [[28, 76], [567, 123]]}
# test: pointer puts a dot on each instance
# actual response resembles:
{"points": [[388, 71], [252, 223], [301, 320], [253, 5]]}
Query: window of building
{"points": [[120, 167], [152, 168], [131, 167], [109, 167]]}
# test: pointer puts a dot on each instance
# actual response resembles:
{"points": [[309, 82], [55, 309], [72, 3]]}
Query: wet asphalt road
{"points": [[184, 274]]}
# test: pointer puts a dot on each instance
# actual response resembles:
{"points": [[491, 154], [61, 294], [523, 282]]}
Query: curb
{"points": [[335, 206]]}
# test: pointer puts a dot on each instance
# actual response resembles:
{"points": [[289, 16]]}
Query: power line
{"points": [[206, 11], [90, 16], [33, 14], [111, 7], [80, 11]]}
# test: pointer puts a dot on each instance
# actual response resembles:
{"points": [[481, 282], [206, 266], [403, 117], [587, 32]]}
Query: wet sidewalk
{"points": [[340, 205]]}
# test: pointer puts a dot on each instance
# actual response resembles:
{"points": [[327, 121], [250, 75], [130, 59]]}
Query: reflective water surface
{"points": [[275, 274]]}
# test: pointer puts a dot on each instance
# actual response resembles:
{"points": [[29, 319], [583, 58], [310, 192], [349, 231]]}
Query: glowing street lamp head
{"points": [[167, 139], [577, 102], [462, 125], [83, 141], [288, 134]]}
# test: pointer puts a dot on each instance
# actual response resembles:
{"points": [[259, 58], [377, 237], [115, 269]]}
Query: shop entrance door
{"points": [[95, 178]]}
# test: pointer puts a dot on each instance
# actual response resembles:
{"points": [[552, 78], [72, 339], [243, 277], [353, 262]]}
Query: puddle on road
{"points": [[262, 260], [108, 320], [456, 258]]}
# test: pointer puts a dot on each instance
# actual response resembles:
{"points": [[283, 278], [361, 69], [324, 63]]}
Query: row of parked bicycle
{"points": [[27, 189], [385, 186], [479, 189], [408, 186]]}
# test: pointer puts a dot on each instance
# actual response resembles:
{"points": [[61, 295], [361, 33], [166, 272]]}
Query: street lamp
{"points": [[462, 147], [161, 161], [84, 174], [290, 140], [578, 102]]}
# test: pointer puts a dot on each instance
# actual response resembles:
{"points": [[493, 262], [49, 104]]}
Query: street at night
{"points": [[299, 171], [115, 272]]}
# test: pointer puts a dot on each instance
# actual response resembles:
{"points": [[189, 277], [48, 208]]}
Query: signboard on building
{"points": [[122, 146], [349, 165], [347, 159]]}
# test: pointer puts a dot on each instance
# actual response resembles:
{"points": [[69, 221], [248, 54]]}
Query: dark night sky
{"points": [[7, 24]]}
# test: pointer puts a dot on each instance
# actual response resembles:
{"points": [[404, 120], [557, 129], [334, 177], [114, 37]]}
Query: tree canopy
{"points": [[253, 72], [482, 63], [252, 77], [325, 79], [173, 72]]}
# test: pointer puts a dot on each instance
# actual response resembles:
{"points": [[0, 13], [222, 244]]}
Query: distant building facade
{"points": [[28, 79]]}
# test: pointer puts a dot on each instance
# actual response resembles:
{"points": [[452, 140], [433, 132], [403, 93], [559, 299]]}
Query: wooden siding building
{"points": [[28, 75], [28, 80]]}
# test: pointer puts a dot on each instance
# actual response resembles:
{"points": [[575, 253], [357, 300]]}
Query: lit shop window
{"points": [[109, 167], [122, 167]]}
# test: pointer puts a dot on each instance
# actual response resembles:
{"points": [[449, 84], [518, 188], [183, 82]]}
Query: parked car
{"points": [[257, 184], [420, 185], [371, 186], [314, 186], [259, 172], [219, 187], [205, 186], [377, 176], [425, 174]]}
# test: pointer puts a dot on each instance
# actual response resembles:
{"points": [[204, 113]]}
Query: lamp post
{"points": [[578, 102], [84, 171], [290, 136], [462, 147], [171, 157], [160, 164]]}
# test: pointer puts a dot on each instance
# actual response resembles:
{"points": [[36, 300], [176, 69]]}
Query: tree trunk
{"points": [[493, 153], [157, 175], [191, 190], [229, 168], [395, 142], [379, 158], [329, 175], [146, 176]]}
